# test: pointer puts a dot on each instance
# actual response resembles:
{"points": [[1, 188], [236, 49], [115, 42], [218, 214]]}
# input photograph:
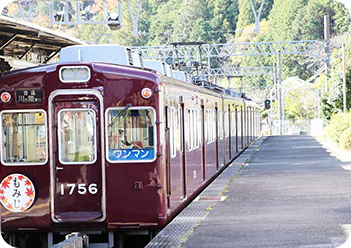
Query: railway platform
{"points": [[283, 191]]}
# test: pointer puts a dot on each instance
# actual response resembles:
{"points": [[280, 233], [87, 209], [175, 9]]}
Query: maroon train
{"points": [[105, 149]]}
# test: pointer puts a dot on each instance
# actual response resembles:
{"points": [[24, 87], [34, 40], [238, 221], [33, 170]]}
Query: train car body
{"points": [[101, 148]]}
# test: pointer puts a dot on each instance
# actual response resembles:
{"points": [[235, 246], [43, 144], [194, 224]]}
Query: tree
{"points": [[246, 16], [223, 19], [302, 103], [332, 101]]}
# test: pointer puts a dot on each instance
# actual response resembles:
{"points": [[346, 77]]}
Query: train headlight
{"points": [[5, 97], [67, 74], [74, 74], [83, 73], [146, 93]]}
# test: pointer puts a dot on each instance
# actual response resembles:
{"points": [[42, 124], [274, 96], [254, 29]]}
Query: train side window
{"points": [[226, 124], [173, 131], [214, 118], [233, 123], [77, 136], [190, 129], [211, 126], [186, 129], [194, 129], [220, 125], [24, 137], [181, 128], [206, 125], [214, 127], [131, 134], [239, 121], [197, 128]]}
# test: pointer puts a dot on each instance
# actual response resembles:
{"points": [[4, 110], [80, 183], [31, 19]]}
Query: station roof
{"points": [[23, 44]]}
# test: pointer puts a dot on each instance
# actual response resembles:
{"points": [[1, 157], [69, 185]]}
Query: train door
{"points": [[77, 160]]}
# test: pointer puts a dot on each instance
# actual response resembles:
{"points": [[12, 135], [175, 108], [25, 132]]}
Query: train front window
{"points": [[77, 136], [131, 134], [24, 137]]}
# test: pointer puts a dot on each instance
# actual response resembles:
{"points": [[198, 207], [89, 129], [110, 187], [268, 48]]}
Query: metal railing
{"points": [[73, 240]]}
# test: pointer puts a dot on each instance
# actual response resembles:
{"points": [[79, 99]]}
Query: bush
{"points": [[338, 124], [345, 139], [264, 114]]}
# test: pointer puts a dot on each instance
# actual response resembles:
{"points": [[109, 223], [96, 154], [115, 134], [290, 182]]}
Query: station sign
{"points": [[29, 96]]}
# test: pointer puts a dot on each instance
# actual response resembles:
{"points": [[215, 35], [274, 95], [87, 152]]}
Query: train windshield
{"points": [[131, 134], [77, 137], [23, 137]]}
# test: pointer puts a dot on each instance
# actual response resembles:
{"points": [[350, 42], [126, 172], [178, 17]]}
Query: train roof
{"points": [[121, 55], [97, 53], [108, 57], [131, 71]]}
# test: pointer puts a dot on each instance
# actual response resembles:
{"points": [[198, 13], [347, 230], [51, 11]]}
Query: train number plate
{"points": [[81, 188], [29, 96]]}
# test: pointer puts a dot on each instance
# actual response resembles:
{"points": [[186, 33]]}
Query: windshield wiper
{"points": [[122, 113]]}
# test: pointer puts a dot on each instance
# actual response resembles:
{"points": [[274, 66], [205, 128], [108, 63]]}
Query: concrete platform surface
{"points": [[292, 193]]}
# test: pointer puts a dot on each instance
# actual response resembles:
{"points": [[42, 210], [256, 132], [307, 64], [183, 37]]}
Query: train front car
{"points": [[80, 152]]}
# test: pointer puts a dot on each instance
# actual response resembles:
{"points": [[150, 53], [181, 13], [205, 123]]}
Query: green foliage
{"points": [[221, 21], [283, 18], [164, 22], [223, 15], [309, 22], [301, 103], [246, 16], [345, 139], [291, 20], [329, 107], [264, 114], [212, 21], [332, 101], [338, 124]]}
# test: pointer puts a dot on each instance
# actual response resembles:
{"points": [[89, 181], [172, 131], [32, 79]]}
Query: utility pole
{"points": [[327, 48], [275, 86], [344, 77], [279, 86]]}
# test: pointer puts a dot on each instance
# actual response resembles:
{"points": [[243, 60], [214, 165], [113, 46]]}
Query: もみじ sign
{"points": [[17, 193]]}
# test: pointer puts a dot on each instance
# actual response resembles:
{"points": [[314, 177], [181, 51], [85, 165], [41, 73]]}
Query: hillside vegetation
{"points": [[162, 22]]}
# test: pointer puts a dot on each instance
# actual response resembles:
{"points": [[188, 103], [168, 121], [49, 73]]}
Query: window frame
{"points": [[59, 147], [107, 138], [46, 139]]}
